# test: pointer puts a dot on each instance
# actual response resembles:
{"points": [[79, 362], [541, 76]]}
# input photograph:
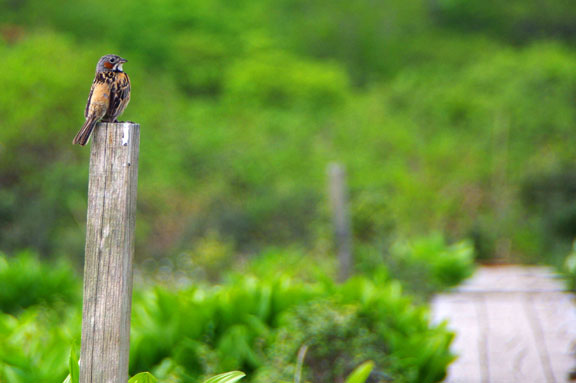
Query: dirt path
{"points": [[513, 324]]}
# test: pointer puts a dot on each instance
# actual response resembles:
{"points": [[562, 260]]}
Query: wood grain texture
{"points": [[340, 219], [109, 253], [513, 324], [471, 363]]}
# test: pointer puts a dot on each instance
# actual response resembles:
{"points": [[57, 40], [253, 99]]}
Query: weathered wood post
{"points": [[109, 251], [341, 219]]}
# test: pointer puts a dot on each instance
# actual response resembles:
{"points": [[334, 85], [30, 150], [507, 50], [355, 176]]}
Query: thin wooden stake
{"points": [[341, 219], [109, 253]]}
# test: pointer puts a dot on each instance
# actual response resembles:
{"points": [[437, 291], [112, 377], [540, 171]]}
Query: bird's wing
{"points": [[89, 100], [120, 95], [99, 98]]}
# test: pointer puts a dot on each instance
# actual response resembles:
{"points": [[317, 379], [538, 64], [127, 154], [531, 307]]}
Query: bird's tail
{"points": [[84, 133]]}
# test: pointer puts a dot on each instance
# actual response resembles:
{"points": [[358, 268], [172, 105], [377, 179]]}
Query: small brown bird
{"points": [[109, 96]]}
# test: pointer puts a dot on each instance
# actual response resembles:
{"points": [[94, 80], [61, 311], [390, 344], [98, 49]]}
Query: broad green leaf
{"points": [[361, 373], [227, 377], [143, 377], [73, 365]]}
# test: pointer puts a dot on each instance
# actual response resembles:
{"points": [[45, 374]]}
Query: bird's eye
{"points": [[112, 59]]}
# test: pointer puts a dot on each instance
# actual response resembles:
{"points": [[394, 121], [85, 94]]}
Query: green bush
{"points": [[548, 196], [288, 262], [34, 346], [252, 99], [449, 265], [185, 334], [456, 158], [200, 329], [424, 265], [569, 267], [195, 332], [326, 341], [281, 79], [248, 160], [26, 281], [516, 20]]}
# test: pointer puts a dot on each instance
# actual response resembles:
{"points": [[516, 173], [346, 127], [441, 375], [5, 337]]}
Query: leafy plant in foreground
{"points": [[361, 373], [186, 334]]}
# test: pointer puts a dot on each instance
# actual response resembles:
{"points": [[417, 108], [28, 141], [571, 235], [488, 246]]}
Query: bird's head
{"points": [[110, 63]]}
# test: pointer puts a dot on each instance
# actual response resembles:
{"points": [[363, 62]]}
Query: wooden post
{"points": [[109, 252], [341, 219]]}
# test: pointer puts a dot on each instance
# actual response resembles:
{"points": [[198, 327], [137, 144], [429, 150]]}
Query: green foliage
{"points": [[477, 125], [198, 328], [448, 265], [361, 373], [35, 345], [185, 334], [242, 105], [202, 330], [424, 265], [208, 260], [515, 20], [25, 281], [569, 267], [253, 99], [281, 79], [39, 188], [143, 377], [333, 340], [367, 38], [421, 351], [146, 377], [73, 363], [548, 195], [288, 262], [227, 377]]}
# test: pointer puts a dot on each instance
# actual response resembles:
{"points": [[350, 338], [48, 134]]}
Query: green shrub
{"points": [[256, 174], [185, 334], [194, 332], [516, 20], [206, 329], [34, 346], [549, 196], [419, 349], [329, 341], [288, 262], [369, 39], [424, 265], [39, 317], [26, 281], [569, 268], [282, 79], [210, 258]]}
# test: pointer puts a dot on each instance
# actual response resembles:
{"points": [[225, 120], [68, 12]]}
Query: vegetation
{"points": [[453, 119], [27, 282], [569, 268], [428, 265], [253, 323], [450, 116]]}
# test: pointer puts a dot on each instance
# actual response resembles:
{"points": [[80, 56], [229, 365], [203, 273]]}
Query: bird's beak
{"points": [[122, 61]]}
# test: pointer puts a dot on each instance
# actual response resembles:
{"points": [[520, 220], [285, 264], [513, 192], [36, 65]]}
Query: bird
{"points": [[109, 96]]}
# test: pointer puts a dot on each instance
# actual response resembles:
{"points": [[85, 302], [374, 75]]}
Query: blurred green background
{"points": [[453, 118]]}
